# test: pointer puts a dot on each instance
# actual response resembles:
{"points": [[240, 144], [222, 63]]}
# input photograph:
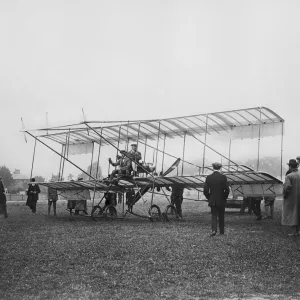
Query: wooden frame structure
{"points": [[257, 122]]}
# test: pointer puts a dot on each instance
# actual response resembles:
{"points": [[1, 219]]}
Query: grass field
{"points": [[47, 257]]}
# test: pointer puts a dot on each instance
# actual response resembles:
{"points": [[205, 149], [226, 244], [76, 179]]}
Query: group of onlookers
{"points": [[254, 205], [216, 190]]}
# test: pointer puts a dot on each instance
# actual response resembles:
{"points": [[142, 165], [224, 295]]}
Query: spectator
{"points": [[130, 194], [291, 198], [177, 198], [52, 198], [33, 195], [110, 199], [255, 206], [246, 203], [216, 190], [269, 207], [3, 208]]}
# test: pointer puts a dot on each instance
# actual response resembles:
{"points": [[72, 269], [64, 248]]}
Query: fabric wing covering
{"points": [[242, 183], [238, 124]]}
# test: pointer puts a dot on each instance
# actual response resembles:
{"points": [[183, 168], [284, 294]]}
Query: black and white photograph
{"points": [[149, 149]]}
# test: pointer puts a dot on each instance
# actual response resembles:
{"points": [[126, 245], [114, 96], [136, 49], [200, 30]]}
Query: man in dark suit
{"points": [[216, 190], [3, 209]]}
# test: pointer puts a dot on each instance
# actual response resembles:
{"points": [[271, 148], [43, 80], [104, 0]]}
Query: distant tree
{"points": [[54, 177], [267, 164], [39, 179], [70, 177], [93, 173], [6, 176]]}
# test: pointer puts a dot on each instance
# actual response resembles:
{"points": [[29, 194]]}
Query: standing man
{"points": [[3, 208], [33, 195], [52, 198], [269, 207], [255, 206], [246, 203], [216, 191], [291, 198], [177, 198]]}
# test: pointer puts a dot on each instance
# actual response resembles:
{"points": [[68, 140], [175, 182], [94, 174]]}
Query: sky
{"points": [[137, 59]]}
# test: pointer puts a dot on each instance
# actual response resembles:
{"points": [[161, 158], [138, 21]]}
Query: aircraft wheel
{"points": [[154, 213], [171, 213], [97, 213], [110, 212]]}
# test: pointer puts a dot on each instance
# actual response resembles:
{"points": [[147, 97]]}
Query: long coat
{"points": [[33, 194], [2, 194], [291, 199], [216, 189]]}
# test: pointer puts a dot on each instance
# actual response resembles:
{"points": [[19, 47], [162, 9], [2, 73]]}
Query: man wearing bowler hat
{"points": [[216, 190], [291, 198]]}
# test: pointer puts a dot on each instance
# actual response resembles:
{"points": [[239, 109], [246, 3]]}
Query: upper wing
{"points": [[243, 123]]}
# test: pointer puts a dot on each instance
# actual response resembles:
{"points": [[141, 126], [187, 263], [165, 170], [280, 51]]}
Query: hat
{"points": [[32, 179], [298, 157], [216, 165], [293, 163], [134, 144]]}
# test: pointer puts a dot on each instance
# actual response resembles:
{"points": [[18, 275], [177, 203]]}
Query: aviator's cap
{"points": [[217, 165]]}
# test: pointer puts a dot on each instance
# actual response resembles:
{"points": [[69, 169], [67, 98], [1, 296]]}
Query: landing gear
{"points": [[97, 213], [171, 213], [110, 212], [154, 213]]}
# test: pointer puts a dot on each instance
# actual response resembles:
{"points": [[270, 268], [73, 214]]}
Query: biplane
{"points": [[153, 135]]}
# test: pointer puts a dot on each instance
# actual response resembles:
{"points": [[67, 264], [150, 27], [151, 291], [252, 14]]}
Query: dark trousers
{"points": [[255, 206], [3, 209], [32, 206], [246, 203], [177, 201], [54, 207], [217, 213]]}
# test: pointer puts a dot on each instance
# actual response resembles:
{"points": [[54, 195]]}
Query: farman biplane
{"points": [[152, 168]]}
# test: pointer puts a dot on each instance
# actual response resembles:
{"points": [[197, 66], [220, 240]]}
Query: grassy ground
{"points": [[47, 257]]}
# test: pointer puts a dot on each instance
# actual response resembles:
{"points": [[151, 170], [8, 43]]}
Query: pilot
{"points": [[135, 156], [124, 164]]}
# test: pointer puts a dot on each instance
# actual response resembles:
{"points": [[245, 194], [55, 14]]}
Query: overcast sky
{"points": [[139, 59]]}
